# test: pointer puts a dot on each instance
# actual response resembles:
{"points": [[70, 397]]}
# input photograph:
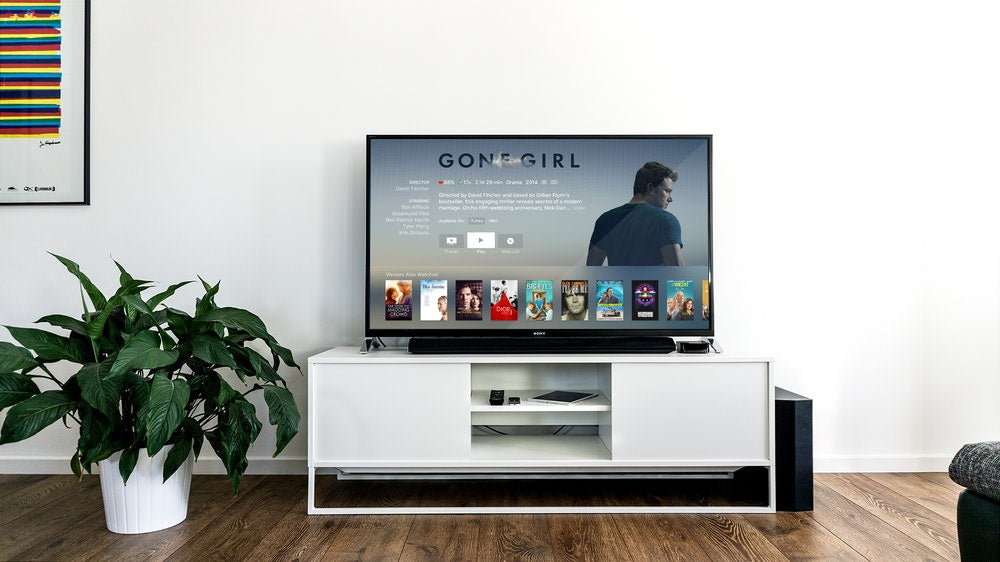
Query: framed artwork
{"points": [[44, 102]]}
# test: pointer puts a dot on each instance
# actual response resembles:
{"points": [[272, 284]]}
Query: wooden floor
{"points": [[856, 517]]}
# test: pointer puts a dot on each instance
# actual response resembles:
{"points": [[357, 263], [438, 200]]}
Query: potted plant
{"points": [[153, 384]]}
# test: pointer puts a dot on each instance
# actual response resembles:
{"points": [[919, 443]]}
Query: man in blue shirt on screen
{"points": [[640, 232]]}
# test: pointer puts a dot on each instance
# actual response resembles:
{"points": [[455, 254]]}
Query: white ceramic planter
{"points": [[146, 503]]}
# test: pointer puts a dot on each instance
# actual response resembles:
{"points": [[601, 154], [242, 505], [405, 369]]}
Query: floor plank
{"points": [[662, 537], [866, 533], [367, 537], [928, 494], [941, 479], [730, 537], [240, 528], [297, 538], [445, 537], [586, 537], [928, 528], [799, 537], [75, 522], [514, 537], [28, 493]]}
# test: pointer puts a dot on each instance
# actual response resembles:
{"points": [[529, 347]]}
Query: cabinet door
{"points": [[389, 412], [715, 412]]}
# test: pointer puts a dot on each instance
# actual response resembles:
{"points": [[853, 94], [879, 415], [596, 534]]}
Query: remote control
{"points": [[514, 400], [496, 397]]}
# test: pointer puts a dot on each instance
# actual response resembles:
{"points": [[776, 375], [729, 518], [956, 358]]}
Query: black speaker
{"points": [[793, 451]]}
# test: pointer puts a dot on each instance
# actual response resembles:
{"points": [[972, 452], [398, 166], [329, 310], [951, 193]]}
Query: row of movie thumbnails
{"points": [[463, 300]]}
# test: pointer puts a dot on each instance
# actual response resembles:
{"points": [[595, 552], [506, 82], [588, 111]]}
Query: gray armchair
{"points": [[977, 467]]}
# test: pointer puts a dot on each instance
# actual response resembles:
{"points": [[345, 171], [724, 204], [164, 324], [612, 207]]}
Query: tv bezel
{"points": [[534, 331]]}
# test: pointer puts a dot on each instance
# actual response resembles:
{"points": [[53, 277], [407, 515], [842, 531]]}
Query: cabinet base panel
{"points": [[742, 491]]}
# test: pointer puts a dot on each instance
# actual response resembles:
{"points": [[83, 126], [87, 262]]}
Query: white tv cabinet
{"points": [[391, 413]]}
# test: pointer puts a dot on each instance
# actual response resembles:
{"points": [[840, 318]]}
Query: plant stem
{"points": [[49, 375]]}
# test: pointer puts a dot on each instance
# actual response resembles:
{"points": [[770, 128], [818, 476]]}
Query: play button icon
{"points": [[481, 240]]}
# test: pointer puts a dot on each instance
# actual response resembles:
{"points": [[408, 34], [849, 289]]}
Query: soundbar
{"points": [[569, 344]]}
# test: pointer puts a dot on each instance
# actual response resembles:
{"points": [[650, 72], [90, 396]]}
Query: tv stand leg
{"points": [[366, 346], [311, 508]]}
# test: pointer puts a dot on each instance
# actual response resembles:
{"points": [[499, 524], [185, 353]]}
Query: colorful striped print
{"points": [[30, 68]]}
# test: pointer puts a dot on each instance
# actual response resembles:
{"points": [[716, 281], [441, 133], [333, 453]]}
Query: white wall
{"points": [[855, 182]]}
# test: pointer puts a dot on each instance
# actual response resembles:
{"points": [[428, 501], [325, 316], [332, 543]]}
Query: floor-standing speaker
{"points": [[793, 451]]}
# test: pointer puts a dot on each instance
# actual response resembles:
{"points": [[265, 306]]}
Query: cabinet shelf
{"points": [[528, 448], [481, 402]]}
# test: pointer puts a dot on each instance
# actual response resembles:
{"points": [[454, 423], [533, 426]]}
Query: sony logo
{"points": [[538, 333]]}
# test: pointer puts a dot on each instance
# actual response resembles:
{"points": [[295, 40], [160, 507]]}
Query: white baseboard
{"points": [[267, 465], [900, 463], [205, 465]]}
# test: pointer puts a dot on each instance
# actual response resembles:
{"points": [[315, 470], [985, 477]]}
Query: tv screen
{"points": [[542, 235]]}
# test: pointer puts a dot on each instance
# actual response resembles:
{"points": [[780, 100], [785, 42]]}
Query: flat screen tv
{"points": [[539, 242]]}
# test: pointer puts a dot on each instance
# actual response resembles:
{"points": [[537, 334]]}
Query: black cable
{"points": [[497, 431]]}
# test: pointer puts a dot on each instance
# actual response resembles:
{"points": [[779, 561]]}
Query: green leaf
{"points": [[142, 352], [34, 414], [176, 457], [226, 393], [136, 302], [254, 364], [283, 414], [246, 414], [49, 346], [74, 464], [284, 353], [207, 302], [157, 319], [156, 299], [100, 388], [237, 429], [95, 324], [15, 358], [125, 279], [137, 402], [66, 322], [130, 457], [210, 348], [15, 387], [96, 298], [180, 322], [220, 445], [129, 287], [238, 319], [192, 428], [168, 399], [95, 442]]}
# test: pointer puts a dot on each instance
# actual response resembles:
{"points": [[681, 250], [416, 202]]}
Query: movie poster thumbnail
{"points": [[610, 296], [645, 301], [539, 295], [469, 299], [680, 300], [705, 312], [575, 301], [398, 296], [503, 300], [433, 300]]}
